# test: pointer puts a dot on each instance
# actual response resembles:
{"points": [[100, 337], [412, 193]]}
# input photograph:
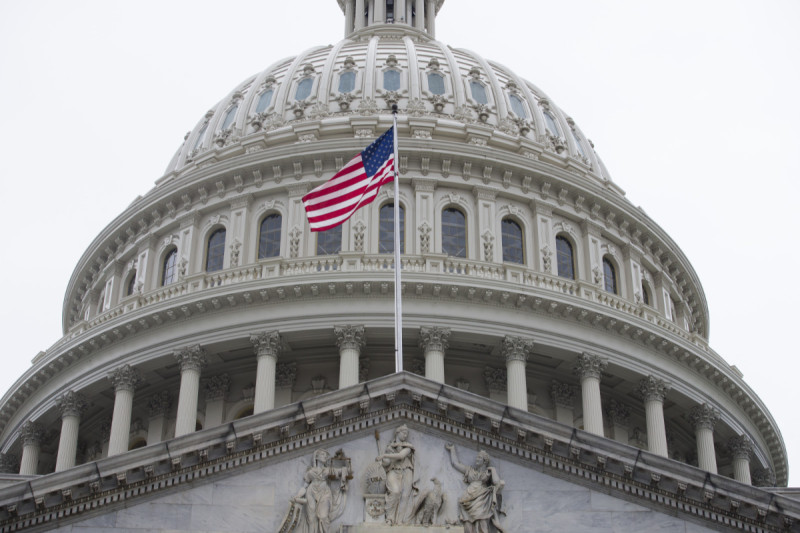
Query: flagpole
{"points": [[398, 304]]}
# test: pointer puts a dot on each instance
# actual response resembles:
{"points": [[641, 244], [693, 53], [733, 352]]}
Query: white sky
{"points": [[693, 106]]}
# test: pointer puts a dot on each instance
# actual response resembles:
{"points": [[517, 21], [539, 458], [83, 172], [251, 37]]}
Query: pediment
{"points": [[244, 476]]}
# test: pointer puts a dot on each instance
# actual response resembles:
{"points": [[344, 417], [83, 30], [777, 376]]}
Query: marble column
{"points": [[431, 18], [124, 380], [159, 405], [741, 448], [191, 359], [71, 406], [31, 434], [433, 340], [350, 340], [359, 15], [216, 389], [704, 417], [349, 17], [653, 391], [419, 10], [589, 368], [563, 395], [267, 346], [516, 350]]}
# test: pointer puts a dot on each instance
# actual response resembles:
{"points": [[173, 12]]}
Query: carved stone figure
{"points": [[398, 461], [430, 505], [323, 497], [480, 506]]}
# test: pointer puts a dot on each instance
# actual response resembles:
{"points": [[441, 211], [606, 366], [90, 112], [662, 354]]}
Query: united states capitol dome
{"points": [[531, 286]]}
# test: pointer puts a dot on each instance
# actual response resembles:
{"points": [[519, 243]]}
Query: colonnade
{"points": [[350, 340]]}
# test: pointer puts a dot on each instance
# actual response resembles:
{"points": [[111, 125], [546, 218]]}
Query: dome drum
{"points": [[528, 279]]}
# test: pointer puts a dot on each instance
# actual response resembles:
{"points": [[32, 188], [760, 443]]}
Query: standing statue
{"points": [[319, 502], [481, 504], [398, 461]]}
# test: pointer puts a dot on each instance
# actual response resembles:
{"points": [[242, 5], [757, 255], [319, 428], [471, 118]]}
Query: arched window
{"points": [[200, 136], [215, 254], [550, 124], [391, 80], [264, 101], [517, 106], [609, 276], [645, 295], [130, 287], [512, 242], [347, 82], [454, 233], [329, 241], [269, 236], [169, 269], [304, 89], [386, 229], [578, 144], [435, 83], [229, 116], [565, 259], [478, 92]]}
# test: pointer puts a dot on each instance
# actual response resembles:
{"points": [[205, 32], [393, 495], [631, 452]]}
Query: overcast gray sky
{"points": [[692, 104]]}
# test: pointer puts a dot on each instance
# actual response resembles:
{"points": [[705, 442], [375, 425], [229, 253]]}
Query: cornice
{"points": [[522, 438]]}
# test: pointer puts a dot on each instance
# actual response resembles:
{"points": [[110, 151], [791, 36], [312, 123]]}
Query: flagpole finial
{"points": [[394, 109]]}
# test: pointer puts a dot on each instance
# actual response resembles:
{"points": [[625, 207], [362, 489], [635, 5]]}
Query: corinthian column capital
{"points": [[703, 416], [125, 378], [741, 447], [516, 348], [191, 358], [349, 337], [589, 365], [266, 343], [31, 433], [653, 389], [434, 338], [217, 387], [72, 404]]}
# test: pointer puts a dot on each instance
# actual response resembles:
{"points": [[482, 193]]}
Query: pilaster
{"points": [[216, 389], [563, 396], [159, 406]]}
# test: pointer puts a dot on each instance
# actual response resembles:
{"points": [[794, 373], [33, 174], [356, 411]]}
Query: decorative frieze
{"points": [[563, 394], [72, 404], [266, 343], [618, 413], [703, 416], [349, 337], [653, 389], [125, 378], [160, 404], [217, 387], [191, 358], [495, 378], [589, 365], [285, 374], [434, 338]]}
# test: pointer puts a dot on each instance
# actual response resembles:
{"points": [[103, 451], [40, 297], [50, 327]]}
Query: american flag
{"points": [[355, 185]]}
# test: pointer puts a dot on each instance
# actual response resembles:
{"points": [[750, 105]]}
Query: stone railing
{"points": [[433, 264]]}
